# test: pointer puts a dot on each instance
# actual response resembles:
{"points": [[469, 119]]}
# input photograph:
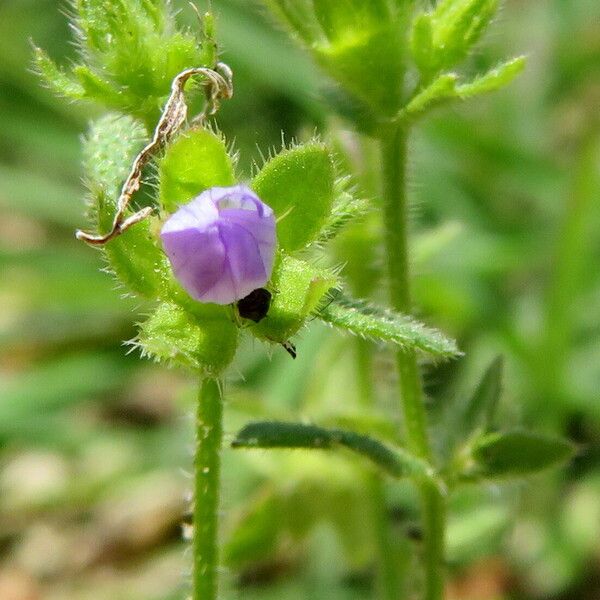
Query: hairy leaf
{"points": [[57, 80], [129, 52], [109, 149], [346, 208], [379, 324], [272, 434], [457, 26], [493, 80], [439, 90], [198, 160], [173, 335], [298, 184]]}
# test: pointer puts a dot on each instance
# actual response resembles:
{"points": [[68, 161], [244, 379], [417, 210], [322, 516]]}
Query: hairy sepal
{"points": [[206, 343], [298, 184], [297, 289], [195, 162], [109, 150]]}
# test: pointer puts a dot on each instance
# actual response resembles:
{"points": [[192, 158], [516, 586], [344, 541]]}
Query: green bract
{"points": [[198, 160], [360, 44], [129, 53], [109, 149], [298, 289], [369, 47], [204, 344], [298, 184]]}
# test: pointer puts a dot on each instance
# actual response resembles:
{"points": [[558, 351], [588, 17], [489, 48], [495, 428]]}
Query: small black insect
{"points": [[255, 305]]}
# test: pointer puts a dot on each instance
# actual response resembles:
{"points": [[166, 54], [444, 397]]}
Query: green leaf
{"points": [[481, 407], [457, 26], [297, 289], [196, 161], [493, 80], [129, 54], [175, 336], [96, 87], [59, 82], [379, 324], [439, 90], [445, 88], [298, 184], [518, 453], [346, 208], [272, 434]]}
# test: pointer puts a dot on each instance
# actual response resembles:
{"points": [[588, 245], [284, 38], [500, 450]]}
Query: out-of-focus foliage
{"points": [[506, 238]]}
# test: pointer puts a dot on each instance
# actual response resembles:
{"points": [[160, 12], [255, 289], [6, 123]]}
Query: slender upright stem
{"points": [[389, 575], [393, 157], [209, 432]]}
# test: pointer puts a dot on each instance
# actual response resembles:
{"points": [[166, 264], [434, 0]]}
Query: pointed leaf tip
{"points": [[481, 407], [369, 321], [493, 80], [518, 453]]}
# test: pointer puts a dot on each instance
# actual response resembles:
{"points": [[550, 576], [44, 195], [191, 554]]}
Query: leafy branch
{"points": [[369, 321]]}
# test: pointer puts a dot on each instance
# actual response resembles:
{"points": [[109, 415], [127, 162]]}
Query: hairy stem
{"points": [[209, 431], [393, 157]]}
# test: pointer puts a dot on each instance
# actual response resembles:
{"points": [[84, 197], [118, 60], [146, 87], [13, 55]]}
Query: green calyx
{"points": [[205, 344], [370, 47], [196, 161], [298, 184], [129, 52], [298, 288]]}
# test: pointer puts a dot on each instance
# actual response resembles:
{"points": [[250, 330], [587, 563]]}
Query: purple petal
{"points": [[221, 244]]}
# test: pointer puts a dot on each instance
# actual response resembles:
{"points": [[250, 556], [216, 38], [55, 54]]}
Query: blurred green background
{"points": [[95, 443]]}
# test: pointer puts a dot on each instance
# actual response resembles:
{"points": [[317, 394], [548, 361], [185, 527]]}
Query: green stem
{"points": [[393, 157], [388, 575], [209, 432]]}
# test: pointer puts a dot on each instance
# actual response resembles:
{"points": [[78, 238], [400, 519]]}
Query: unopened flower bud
{"points": [[221, 244]]}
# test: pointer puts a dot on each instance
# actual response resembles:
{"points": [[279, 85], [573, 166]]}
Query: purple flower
{"points": [[221, 244]]}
